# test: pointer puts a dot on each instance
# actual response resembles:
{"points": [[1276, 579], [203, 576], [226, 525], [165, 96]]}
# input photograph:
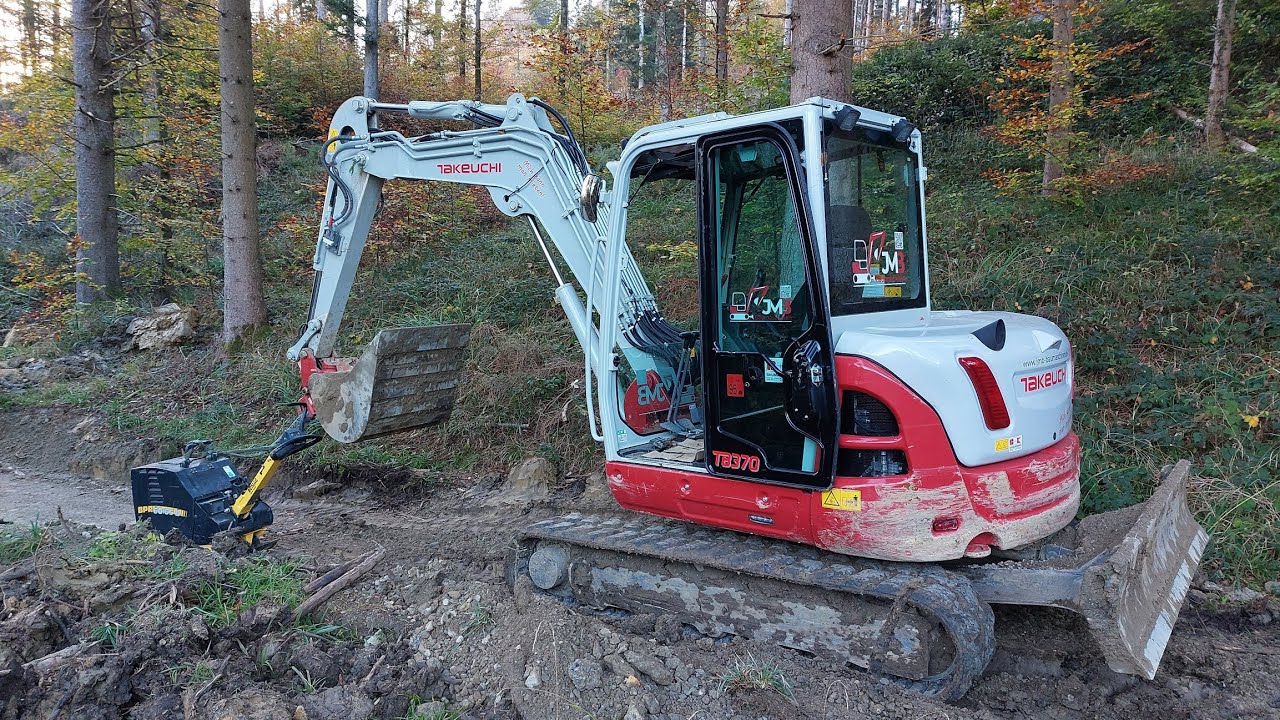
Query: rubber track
{"points": [[946, 597]]}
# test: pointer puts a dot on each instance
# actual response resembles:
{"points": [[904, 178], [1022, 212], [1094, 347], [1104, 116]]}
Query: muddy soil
{"points": [[436, 621]]}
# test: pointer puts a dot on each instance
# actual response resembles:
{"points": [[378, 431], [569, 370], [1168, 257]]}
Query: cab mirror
{"points": [[589, 197]]}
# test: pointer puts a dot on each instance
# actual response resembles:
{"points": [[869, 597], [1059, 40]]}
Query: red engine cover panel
{"points": [[938, 510]]}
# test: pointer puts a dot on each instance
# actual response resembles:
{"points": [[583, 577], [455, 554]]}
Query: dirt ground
{"points": [[435, 622]]}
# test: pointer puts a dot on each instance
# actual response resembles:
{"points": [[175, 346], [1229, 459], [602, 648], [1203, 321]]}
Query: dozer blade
{"points": [[406, 378], [1127, 571]]}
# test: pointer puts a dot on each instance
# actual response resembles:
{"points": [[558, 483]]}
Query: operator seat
{"points": [[846, 224]]}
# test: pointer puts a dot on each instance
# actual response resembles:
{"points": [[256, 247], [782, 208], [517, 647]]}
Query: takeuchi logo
{"points": [[469, 168]]}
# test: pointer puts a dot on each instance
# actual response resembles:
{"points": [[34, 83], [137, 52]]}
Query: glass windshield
{"points": [[874, 249]]}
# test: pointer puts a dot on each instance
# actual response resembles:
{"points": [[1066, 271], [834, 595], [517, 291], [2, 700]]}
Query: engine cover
{"points": [[1029, 357]]}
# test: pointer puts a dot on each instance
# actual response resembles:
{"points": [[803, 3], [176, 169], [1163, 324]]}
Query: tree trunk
{"points": [[562, 77], [372, 29], [662, 65], [322, 11], [29, 46], [1219, 75], [462, 40], [1061, 82], [819, 65], [478, 51], [722, 48], [384, 13], [861, 25], [243, 306], [684, 38], [156, 135], [788, 8], [640, 47], [55, 31], [98, 254]]}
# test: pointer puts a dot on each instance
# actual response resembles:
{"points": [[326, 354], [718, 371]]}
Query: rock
{"points": [[1272, 588], [1244, 596], [166, 325], [19, 335], [619, 666], [596, 491], [431, 710], [261, 704], [635, 712], [315, 489], [654, 668], [585, 673], [338, 703], [531, 480], [533, 678]]}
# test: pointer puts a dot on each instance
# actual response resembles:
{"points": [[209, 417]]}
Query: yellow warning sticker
{"points": [[333, 133], [1009, 443], [842, 499], [893, 291]]}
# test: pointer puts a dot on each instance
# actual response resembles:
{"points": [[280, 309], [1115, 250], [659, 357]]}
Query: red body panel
{"points": [[1004, 504]]}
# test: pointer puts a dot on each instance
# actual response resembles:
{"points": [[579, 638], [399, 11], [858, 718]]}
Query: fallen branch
{"points": [[42, 664], [1252, 651], [328, 577], [310, 604], [1240, 144]]}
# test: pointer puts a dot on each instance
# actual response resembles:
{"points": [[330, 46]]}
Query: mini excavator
{"points": [[837, 467]]}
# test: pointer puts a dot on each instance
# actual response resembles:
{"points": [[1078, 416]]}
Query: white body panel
{"points": [[926, 355]]}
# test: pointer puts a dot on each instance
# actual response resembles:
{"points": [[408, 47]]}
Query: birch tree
{"points": [[97, 228], [1219, 74], [372, 28], [243, 306], [1061, 85]]}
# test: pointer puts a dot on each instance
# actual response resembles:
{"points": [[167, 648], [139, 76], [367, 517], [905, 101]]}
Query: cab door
{"points": [[768, 368]]}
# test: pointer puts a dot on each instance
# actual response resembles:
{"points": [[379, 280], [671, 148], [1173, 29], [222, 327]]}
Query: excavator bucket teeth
{"points": [[406, 378], [1132, 598]]}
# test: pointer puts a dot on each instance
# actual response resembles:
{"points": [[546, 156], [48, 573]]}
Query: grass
{"points": [[306, 683], [191, 674], [18, 545], [753, 674], [327, 632], [480, 620], [246, 585], [110, 634]]}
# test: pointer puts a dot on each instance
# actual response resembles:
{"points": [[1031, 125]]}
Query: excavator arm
{"points": [[407, 376]]}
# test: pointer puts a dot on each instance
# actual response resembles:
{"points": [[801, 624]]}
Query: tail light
{"points": [[990, 400]]}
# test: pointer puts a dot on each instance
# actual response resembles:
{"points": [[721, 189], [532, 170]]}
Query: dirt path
{"points": [[441, 589], [28, 496]]}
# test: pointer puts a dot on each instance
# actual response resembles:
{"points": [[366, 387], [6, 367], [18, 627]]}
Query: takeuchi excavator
{"points": [[860, 476]]}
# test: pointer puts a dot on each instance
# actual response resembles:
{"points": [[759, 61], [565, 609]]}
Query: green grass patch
{"points": [[751, 674], [18, 544], [245, 585]]}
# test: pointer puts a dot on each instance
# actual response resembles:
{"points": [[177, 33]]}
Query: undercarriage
{"points": [[926, 627]]}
